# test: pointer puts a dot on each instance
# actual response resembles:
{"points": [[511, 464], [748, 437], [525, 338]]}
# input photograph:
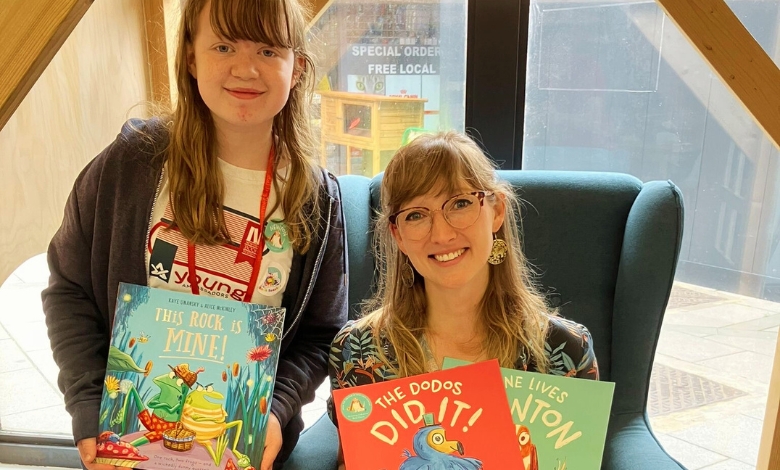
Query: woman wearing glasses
{"points": [[457, 283]]}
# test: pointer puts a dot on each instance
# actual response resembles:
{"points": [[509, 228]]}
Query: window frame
{"points": [[38, 450], [495, 77]]}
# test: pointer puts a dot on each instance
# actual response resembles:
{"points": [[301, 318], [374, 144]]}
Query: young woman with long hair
{"points": [[456, 283], [177, 202]]}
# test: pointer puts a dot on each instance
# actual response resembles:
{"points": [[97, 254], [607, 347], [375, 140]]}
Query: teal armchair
{"points": [[605, 246]]}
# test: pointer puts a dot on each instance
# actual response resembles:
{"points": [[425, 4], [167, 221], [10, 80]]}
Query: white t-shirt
{"points": [[224, 271]]}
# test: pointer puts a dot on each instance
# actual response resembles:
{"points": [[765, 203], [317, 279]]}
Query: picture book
{"points": [[188, 382], [560, 422], [455, 419]]}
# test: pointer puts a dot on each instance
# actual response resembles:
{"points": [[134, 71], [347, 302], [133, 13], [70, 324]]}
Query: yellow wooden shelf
{"points": [[368, 122]]}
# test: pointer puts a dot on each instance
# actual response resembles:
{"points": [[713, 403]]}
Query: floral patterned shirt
{"points": [[354, 359]]}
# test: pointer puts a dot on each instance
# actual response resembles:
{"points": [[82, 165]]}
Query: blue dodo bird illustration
{"points": [[434, 451]]}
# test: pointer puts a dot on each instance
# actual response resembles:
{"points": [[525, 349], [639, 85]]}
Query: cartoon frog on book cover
{"points": [[182, 412], [205, 417]]}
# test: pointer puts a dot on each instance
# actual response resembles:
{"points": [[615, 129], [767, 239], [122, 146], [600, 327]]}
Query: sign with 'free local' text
{"points": [[374, 59]]}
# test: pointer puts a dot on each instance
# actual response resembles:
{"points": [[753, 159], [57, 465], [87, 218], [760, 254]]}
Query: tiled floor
{"points": [[728, 341], [721, 343]]}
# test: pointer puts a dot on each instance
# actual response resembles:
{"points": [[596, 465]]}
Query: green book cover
{"points": [[560, 422], [189, 381]]}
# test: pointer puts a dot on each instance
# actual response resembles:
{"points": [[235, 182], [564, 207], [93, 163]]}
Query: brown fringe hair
{"points": [[513, 311], [196, 185]]}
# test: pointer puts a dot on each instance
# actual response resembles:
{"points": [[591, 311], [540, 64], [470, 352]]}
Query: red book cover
{"points": [[456, 419]]}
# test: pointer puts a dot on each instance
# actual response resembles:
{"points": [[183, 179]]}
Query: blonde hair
{"points": [[196, 184], [513, 312]]}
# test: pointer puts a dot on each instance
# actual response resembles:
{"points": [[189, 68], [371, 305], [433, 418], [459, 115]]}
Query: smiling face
{"points": [[449, 258], [244, 83]]}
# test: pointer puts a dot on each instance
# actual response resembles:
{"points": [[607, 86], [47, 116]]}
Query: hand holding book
{"points": [[273, 442]]}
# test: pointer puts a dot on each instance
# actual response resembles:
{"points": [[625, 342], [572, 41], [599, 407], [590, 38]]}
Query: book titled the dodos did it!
{"points": [[189, 381], [454, 419]]}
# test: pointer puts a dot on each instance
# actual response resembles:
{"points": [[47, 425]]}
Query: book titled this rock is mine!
{"points": [[188, 382]]}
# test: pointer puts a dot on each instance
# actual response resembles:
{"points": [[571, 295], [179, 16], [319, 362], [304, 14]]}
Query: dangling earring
{"points": [[498, 251], [407, 274]]}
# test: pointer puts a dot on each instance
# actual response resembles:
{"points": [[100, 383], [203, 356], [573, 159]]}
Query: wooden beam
{"points": [[769, 450], [33, 31], [746, 69], [317, 6], [724, 42], [316, 9], [162, 29], [157, 52]]}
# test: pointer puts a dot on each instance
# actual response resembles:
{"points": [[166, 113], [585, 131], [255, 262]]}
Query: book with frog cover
{"points": [[189, 381], [451, 419], [560, 422]]}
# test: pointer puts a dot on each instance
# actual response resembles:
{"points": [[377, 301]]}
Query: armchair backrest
{"points": [[605, 247]]}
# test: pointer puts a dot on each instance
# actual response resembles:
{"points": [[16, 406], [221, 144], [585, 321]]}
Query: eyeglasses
{"points": [[459, 211]]}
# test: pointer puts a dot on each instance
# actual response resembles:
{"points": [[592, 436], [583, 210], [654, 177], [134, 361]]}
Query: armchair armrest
{"points": [[631, 445], [648, 260]]}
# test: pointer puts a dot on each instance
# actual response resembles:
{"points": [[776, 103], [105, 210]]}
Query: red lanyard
{"points": [[261, 244]]}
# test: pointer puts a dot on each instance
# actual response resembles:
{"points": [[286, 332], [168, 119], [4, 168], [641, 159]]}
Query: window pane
{"points": [[386, 72], [31, 401], [614, 86]]}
